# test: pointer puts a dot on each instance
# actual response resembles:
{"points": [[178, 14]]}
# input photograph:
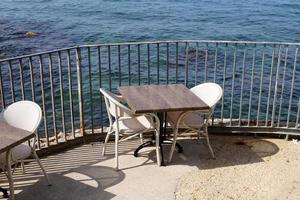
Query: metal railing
{"points": [[260, 82]]}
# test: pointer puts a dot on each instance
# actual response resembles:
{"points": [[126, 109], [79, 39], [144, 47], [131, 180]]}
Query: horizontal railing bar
{"points": [[38, 54], [193, 41]]}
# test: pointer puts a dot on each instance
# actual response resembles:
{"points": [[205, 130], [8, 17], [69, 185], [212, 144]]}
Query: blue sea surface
{"points": [[65, 23]]}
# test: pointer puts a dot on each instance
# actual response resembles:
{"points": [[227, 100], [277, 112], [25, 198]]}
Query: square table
{"points": [[160, 99]]}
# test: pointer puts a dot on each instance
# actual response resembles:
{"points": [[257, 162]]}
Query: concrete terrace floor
{"points": [[245, 168]]}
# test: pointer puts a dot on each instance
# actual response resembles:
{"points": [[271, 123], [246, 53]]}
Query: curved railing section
{"points": [[260, 82]]}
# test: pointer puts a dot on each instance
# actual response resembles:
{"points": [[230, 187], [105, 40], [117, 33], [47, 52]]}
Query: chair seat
{"points": [[194, 119], [130, 125], [19, 152]]}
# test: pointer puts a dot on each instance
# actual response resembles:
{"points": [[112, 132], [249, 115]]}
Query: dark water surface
{"points": [[64, 23]]}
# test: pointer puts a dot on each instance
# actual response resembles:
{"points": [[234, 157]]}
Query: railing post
{"points": [[100, 84], [12, 84], [242, 84], [205, 63], [52, 97], [224, 80], [32, 82], [251, 84], [44, 109], [270, 85], [276, 86], [109, 67], [176, 64], [196, 63], [292, 89], [71, 93], [260, 85], [139, 63], [129, 65], [167, 64], [62, 99], [91, 90], [186, 73], [2, 103], [148, 62], [21, 78], [233, 83], [158, 60], [119, 65], [282, 86], [80, 99]]}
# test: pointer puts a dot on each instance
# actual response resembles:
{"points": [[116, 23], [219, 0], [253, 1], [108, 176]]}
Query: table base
{"points": [[162, 138], [4, 191], [152, 143]]}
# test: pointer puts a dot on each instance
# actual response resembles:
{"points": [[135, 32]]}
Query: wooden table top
{"points": [[11, 136], [161, 98]]}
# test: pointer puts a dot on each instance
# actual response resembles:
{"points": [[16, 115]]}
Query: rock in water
{"points": [[31, 34]]}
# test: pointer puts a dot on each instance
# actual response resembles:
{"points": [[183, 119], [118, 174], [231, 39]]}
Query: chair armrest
{"points": [[119, 98]]}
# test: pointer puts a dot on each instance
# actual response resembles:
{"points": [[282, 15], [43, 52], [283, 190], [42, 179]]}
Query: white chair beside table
{"points": [[196, 121], [24, 115], [124, 123]]}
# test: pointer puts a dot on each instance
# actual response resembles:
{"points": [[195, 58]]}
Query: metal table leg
{"points": [[161, 137]]}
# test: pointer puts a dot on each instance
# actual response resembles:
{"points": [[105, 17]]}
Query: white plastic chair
{"points": [[24, 115], [123, 122], [197, 121]]}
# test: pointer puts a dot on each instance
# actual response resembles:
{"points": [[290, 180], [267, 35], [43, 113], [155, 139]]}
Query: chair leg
{"points": [[141, 138], [23, 167], [157, 147], [175, 133], [9, 175], [208, 143], [105, 141], [116, 150], [41, 166]]}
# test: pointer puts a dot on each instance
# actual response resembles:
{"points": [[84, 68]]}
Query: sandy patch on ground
{"points": [[245, 168]]}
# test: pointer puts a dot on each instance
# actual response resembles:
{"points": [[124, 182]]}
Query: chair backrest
{"points": [[210, 93], [112, 103], [25, 115]]}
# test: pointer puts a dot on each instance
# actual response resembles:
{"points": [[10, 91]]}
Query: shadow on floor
{"points": [[73, 175], [229, 151], [83, 183]]}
